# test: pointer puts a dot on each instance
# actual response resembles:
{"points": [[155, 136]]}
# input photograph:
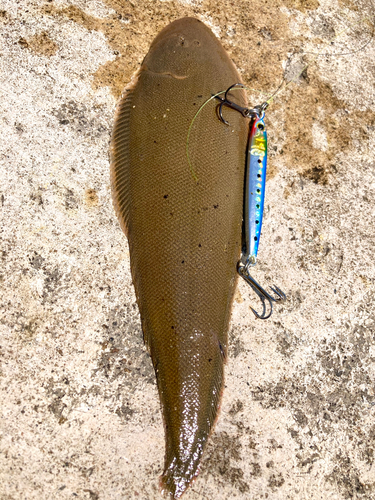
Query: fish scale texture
{"points": [[184, 235]]}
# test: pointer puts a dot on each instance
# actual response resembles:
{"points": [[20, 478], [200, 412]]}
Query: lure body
{"points": [[184, 236], [254, 205], [255, 189]]}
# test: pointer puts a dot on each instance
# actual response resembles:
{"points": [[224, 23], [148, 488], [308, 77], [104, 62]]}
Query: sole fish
{"points": [[184, 233]]}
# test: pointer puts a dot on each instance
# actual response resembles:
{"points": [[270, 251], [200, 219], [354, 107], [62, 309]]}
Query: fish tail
{"points": [[178, 475]]}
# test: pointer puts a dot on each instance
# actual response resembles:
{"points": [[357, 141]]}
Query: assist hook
{"points": [[257, 111]]}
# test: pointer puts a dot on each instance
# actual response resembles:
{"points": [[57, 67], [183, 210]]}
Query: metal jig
{"points": [[254, 196]]}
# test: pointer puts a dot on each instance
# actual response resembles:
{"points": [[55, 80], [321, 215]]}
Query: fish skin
{"points": [[184, 236]]}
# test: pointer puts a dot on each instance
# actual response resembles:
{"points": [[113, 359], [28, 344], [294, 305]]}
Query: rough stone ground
{"points": [[80, 415]]}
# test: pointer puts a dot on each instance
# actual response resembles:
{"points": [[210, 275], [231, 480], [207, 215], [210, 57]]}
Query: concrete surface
{"points": [[80, 415]]}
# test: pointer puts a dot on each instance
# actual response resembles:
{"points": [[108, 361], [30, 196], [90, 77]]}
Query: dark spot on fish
{"points": [[165, 196], [172, 327], [200, 246], [221, 349], [182, 262], [216, 206], [209, 360]]}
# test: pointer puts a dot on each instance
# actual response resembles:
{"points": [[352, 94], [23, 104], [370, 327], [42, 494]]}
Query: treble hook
{"points": [[246, 112], [243, 270]]}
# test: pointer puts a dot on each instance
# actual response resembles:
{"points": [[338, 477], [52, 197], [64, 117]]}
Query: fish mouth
{"points": [[166, 73]]}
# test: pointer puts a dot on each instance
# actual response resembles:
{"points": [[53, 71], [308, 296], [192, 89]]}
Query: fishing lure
{"points": [[256, 165], [256, 168]]}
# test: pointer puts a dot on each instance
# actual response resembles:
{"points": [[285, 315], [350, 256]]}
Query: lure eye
{"points": [[259, 176], [255, 238], [256, 222], [258, 206], [259, 161], [258, 190], [260, 126]]}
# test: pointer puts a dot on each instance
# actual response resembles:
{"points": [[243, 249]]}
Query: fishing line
{"points": [[282, 87], [351, 25], [318, 54]]}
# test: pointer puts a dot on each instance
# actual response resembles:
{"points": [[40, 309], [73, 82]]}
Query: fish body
{"points": [[184, 234]]}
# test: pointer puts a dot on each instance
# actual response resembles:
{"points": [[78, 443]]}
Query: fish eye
{"points": [[260, 126]]}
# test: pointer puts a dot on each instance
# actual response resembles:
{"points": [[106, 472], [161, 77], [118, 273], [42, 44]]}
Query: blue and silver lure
{"points": [[256, 168], [255, 189]]}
